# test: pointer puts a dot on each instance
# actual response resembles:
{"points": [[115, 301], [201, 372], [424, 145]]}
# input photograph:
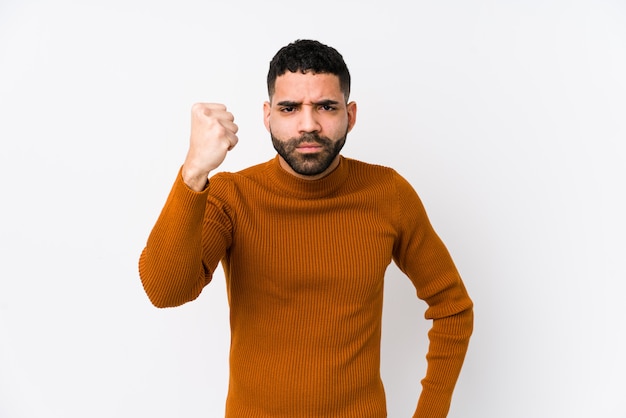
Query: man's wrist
{"points": [[195, 181]]}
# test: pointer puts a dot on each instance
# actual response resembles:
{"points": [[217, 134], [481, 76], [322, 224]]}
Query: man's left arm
{"points": [[422, 256]]}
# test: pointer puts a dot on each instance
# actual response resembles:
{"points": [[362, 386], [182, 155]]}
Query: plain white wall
{"points": [[509, 118]]}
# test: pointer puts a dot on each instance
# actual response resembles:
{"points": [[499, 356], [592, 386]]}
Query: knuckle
{"points": [[198, 110], [217, 130]]}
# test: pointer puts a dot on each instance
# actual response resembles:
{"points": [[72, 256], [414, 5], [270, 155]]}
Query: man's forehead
{"points": [[311, 86]]}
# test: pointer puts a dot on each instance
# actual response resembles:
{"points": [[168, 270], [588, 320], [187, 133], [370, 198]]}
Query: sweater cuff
{"points": [[184, 201], [179, 179]]}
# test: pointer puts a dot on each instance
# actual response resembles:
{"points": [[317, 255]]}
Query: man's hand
{"points": [[213, 134]]}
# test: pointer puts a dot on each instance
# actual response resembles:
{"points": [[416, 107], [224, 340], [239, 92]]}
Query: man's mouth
{"points": [[309, 147]]}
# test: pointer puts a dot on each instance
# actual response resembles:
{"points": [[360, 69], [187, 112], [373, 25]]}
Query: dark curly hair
{"points": [[306, 55]]}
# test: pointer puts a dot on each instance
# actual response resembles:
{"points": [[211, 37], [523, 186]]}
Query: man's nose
{"points": [[308, 120]]}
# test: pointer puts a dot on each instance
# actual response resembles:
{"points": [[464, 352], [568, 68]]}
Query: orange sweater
{"points": [[304, 263]]}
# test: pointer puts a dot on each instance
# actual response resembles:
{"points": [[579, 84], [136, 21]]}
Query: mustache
{"points": [[311, 137]]}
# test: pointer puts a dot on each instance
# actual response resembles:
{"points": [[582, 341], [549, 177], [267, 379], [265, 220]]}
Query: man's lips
{"points": [[309, 147]]}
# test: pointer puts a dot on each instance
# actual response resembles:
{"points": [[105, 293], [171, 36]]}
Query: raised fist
{"points": [[213, 134]]}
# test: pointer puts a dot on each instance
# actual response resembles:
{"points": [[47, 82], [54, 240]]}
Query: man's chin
{"points": [[306, 168], [308, 171]]}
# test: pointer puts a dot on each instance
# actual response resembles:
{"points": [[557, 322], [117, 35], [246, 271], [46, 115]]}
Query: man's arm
{"points": [[170, 266], [449, 339], [422, 256], [175, 264]]}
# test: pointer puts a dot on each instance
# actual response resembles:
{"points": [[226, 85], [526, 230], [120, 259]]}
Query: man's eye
{"points": [[328, 108], [288, 109]]}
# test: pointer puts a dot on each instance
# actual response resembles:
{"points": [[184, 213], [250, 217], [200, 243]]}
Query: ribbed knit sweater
{"points": [[304, 263]]}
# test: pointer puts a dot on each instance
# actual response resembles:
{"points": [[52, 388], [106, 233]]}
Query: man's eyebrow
{"points": [[326, 102], [288, 103], [291, 103]]}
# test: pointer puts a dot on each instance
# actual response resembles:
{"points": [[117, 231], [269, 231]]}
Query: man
{"points": [[304, 240]]}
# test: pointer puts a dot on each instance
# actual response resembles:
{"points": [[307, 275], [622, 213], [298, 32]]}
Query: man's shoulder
{"points": [[366, 166], [381, 177], [371, 170]]}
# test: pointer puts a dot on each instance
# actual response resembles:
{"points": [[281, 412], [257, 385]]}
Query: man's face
{"points": [[308, 120]]}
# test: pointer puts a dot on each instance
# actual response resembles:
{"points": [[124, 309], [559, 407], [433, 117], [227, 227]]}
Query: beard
{"points": [[309, 164]]}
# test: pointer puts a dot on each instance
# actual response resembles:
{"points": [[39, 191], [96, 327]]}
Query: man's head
{"points": [[308, 114], [308, 56]]}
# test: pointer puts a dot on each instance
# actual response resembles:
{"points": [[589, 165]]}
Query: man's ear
{"points": [[267, 107], [351, 108]]}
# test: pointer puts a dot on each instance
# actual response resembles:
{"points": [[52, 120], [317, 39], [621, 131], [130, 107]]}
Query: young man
{"points": [[304, 240]]}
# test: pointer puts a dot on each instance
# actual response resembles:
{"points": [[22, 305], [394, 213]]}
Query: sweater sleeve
{"points": [[422, 256], [190, 236]]}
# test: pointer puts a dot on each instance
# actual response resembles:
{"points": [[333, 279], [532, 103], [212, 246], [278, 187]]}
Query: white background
{"points": [[508, 117]]}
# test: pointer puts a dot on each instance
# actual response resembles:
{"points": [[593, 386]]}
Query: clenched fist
{"points": [[213, 134]]}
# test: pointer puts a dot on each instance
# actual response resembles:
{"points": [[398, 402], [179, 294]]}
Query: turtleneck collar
{"points": [[299, 188]]}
